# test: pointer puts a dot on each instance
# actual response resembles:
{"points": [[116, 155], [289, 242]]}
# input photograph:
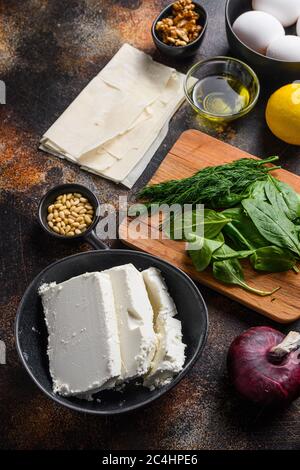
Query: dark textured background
{"points": [[49, 50]]}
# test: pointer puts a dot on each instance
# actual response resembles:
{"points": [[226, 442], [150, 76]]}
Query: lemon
{"points": [[283, 113]]}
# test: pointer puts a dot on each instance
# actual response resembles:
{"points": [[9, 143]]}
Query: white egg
{"points": [[287, 48], [257, 29], [286, 11], [298, 26]]}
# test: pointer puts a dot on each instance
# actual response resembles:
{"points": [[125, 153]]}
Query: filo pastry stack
{"points": [[116, 124]]}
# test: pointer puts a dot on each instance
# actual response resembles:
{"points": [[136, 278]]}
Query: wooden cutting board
{"points": [[193, 151]]}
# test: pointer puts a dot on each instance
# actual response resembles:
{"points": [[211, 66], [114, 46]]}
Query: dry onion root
{"points": [[70, 214], [181, 28]]}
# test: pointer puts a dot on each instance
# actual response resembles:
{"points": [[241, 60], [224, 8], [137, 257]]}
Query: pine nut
{"points": [[87, 219], [70, 214]]}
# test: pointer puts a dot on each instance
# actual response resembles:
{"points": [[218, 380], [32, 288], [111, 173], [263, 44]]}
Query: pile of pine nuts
{"points": [[70, 214]]}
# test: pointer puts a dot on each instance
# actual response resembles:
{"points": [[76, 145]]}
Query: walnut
{"points": [[181, 28]]}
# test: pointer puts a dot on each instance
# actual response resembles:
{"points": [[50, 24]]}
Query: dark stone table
{"points": [[49, 50]]}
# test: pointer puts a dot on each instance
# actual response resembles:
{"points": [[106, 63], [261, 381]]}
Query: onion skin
{"points": [[256, 376]]}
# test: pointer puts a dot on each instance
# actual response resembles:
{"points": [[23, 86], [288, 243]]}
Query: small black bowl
{"points": [[180, 51], [51, 196], [32, 336], [276, 70]]}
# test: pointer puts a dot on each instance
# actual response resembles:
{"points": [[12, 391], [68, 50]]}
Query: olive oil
{"points": [[221, 96]]}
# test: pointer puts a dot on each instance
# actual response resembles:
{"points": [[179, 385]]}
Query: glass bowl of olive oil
{"points": [[222, 88]]}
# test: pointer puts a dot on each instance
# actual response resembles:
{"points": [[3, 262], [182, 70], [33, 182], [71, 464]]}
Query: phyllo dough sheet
{"points": [[120, 118]]}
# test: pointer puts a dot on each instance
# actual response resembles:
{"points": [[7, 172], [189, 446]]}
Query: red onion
{"points": [[264, 366]]}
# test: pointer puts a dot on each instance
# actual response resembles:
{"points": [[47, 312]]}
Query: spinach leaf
{"points": [[272, 224], [225, 252], [283, 196], [201, 250], [289, 199], [242, 231], [181, 227], [272, 259], [230, 272], [256, 190]]}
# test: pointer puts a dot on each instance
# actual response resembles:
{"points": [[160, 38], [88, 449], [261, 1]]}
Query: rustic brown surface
{"points": [[50, 49], [192, 151]]}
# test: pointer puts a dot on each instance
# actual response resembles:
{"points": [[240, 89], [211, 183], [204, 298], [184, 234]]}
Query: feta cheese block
{"points": [[83, 343], [158, 293], [169, 358], [135, 320]]}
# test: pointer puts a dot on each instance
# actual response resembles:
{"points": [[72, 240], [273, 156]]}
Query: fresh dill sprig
{"points": [[216, 186]]}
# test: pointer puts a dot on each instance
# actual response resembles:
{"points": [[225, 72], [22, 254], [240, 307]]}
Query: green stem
{"points": [[262, 293]]}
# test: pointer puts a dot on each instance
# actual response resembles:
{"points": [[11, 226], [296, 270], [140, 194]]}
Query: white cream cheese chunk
{"points": [[83, 343], [135, 320], [169, 358]]}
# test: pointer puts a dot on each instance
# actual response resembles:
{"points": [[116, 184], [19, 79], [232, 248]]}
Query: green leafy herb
{"points": [[216, 186], [242, 231], [202, 249], [210, 225], [272, 259], [225, 252], [230, 272], [272, 224], [282, 195], [257, 191]]}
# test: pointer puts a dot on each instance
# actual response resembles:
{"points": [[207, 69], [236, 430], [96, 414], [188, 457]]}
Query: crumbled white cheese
{"points": [[169, 358], [135, 320], [83, 343]]}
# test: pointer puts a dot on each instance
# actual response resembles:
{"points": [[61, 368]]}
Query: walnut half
{"points": [[181, 28]]}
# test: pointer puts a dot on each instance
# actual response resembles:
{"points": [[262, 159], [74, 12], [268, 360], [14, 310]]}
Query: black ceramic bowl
{"points": [[31, 332], [180, 51], [265, 67]]}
